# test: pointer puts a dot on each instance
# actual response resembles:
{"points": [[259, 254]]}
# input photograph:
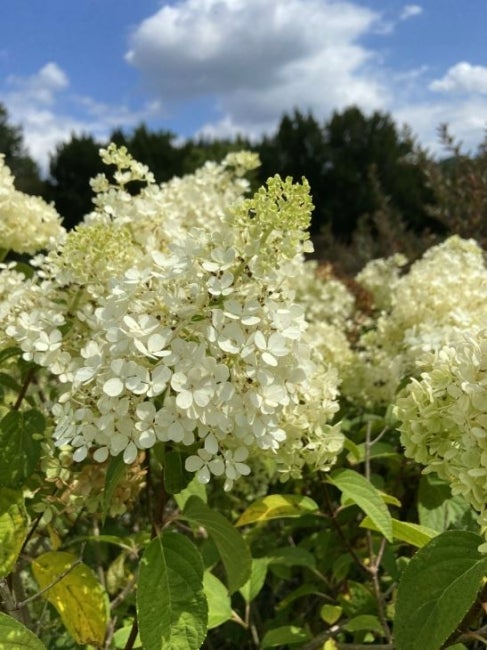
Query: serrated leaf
{"points": [[277, 506], [232, 548], [114, 474], [437, 589], [438, 509], [356, 487], [15, 636], [13, 528], [20, 449], [171, 604], [78, 597], [257, 578], [285, 635], [404, 531], [219, 604]]}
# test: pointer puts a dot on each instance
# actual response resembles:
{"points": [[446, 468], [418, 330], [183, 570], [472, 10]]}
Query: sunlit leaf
{"points": [[404, 531], [78, 596], [15, 636], [219, 604], [356, 487], [13, 528], [277, 506], [286, 635], [257, 578], [171, 606]]}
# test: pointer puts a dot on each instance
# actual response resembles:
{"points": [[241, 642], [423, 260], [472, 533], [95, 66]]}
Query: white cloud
{"points": [[259, 59], [466, 121], [462, 78], [408, 11], [41, 105], [42, 86]]}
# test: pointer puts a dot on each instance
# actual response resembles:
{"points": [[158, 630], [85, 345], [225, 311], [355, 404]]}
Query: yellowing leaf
{"points": [[15, 636], [78, 597], [276, 506], [13, 528], [405, 531]]}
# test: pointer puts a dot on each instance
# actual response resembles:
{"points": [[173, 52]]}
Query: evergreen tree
{"points": [[23, 167]]}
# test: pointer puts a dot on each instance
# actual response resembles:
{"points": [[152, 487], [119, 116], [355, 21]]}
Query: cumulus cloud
{"points": [[40, 87], [258, 59], [465, 120], [408, 11], [41, 104], [462, 78]]}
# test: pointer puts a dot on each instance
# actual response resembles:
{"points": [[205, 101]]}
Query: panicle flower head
{"points": [[443, 416], [27, 223], [170, 317], [443, 291]]}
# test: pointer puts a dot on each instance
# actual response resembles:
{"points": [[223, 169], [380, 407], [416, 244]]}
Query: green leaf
{"points": [[78, 597], [193, 489], [115, 473], [378, 450], [8, 353], [21, 450], [292, 556], [9, 382], [300, 592], [437, 589], [404, 531], [357, 488], [219, 605], [364, 623], [331, 613], [285, 635], [277, 506], [231, 546], [13, 528], [257, 578], [171, 604], [438, 509], [15, 636], [176, 478], [121, 637]]}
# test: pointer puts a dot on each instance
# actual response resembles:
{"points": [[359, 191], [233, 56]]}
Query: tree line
{"points": [[374, 189]]}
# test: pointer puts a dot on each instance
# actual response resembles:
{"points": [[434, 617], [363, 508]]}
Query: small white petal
{"points": [[130, 453], [113, 387], [101, 454]]}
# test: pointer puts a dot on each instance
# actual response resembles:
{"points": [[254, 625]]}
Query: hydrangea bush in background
{"points": [[209, 432]]}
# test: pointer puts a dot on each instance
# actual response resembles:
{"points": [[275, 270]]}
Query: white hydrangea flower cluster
{"points": [[329, 309], [193, 340], [445, 290], [161, 214], [443, 417], [27, 223], [380, 277]]}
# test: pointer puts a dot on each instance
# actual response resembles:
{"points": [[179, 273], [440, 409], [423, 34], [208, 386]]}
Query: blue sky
{"points": [[222, 67]]}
